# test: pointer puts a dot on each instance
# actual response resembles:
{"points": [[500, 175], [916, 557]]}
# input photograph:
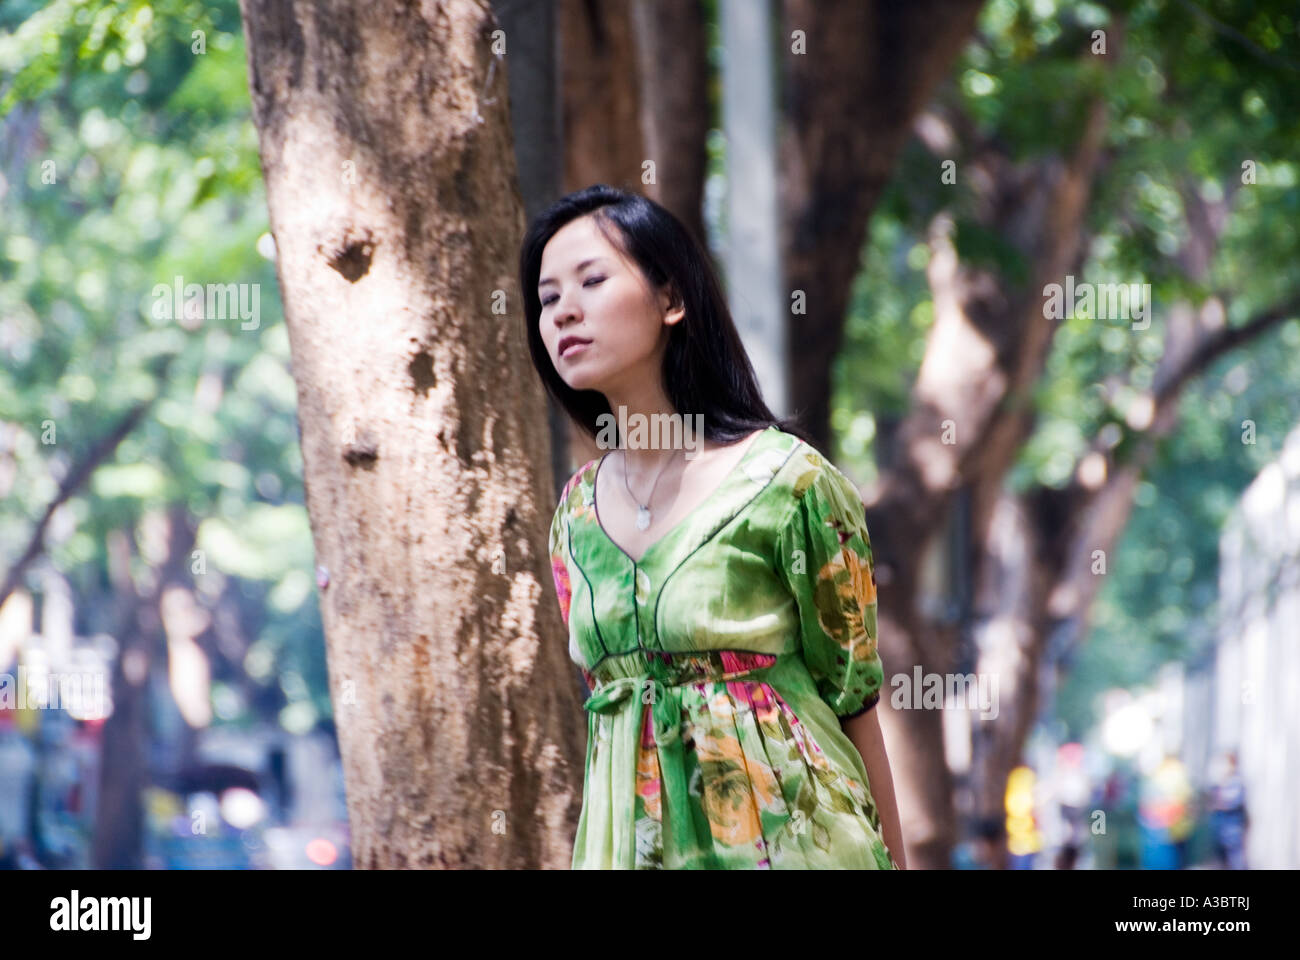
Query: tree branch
{"points": [[1223, 340], [1088, 519], [1232, 33], [77, 476]]}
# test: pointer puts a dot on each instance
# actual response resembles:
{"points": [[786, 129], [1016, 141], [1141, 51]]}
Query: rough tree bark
{"points": [[390, 177]]}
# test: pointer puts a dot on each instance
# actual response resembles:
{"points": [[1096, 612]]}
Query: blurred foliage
{"points": [[1198, 90], [130, 160]]}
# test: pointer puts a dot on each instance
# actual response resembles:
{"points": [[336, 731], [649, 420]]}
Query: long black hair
{"points": [[705, 368]]}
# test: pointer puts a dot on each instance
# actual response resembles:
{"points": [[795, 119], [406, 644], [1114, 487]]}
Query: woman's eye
{"points": [[590, 280]]}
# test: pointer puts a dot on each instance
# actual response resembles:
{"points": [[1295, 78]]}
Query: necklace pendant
{"points": [[642, 517]]}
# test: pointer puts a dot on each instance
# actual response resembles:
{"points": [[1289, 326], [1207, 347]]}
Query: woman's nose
{"points": [[564, 311]]}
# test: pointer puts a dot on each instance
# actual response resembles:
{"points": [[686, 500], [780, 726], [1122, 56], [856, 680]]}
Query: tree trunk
{"points": [[673, 77], [391, 182], [118, 842], [535, 124], [119, 815], [600, 92], [633, 90], [600, 122], [850, 96]]}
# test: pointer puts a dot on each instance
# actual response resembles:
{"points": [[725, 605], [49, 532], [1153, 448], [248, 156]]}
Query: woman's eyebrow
{"points": [[590, 260]]}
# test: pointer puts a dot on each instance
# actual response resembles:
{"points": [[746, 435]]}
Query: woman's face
{"points": [[602, 325]]}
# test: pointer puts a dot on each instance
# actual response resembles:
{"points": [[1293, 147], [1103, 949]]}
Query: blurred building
{"points": [[1257, 672]]}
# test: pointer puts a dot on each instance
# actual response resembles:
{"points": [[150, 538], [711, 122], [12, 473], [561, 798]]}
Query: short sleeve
{"points": [[824, 556], [559, 564]]}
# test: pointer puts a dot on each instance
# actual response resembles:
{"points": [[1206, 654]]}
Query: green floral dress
{"points": [[721, 665]]}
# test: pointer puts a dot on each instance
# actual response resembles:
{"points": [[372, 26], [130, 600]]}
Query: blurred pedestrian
{"points": [[1071, 789], [1165, 813], [1024, 840], [1228, 817]]}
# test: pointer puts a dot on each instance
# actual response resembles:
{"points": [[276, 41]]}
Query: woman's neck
{"points": [[649, 431]]}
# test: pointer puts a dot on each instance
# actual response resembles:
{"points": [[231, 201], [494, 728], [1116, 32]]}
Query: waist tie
{"points": [[615, 698]]}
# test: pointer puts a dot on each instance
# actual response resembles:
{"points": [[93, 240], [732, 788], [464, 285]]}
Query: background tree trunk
{"points": [[137, 675], [535, 123], [849, 99], [850, 93], [388, 160], [118, 842], [672, 60], [634, 88], [601, 95]]}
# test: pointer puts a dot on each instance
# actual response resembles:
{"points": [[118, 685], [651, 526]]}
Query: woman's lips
{"points": [[573, 347]]}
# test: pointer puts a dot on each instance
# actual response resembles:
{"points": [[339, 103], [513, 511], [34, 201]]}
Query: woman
{"points": [[719, 595]]}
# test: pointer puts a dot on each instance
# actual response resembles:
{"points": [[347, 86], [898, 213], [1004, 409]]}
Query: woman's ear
{"points": [[674, 308]]}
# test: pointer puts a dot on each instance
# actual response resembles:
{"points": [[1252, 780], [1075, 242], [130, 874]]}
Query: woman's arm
{"points": [[864, 731]]}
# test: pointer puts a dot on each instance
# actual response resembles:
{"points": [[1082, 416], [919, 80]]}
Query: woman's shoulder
{"points": [[576, 493], [802, 463], [807, 468]]}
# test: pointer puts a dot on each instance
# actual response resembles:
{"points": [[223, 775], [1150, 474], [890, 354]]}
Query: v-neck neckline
{"points": [[754, 443]]}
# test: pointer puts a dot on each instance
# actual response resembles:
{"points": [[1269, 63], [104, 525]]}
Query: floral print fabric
{"points": [[721, 665]]}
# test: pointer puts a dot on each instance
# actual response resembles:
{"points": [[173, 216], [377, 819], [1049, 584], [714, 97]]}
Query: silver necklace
{"points": [[642, 509]]}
